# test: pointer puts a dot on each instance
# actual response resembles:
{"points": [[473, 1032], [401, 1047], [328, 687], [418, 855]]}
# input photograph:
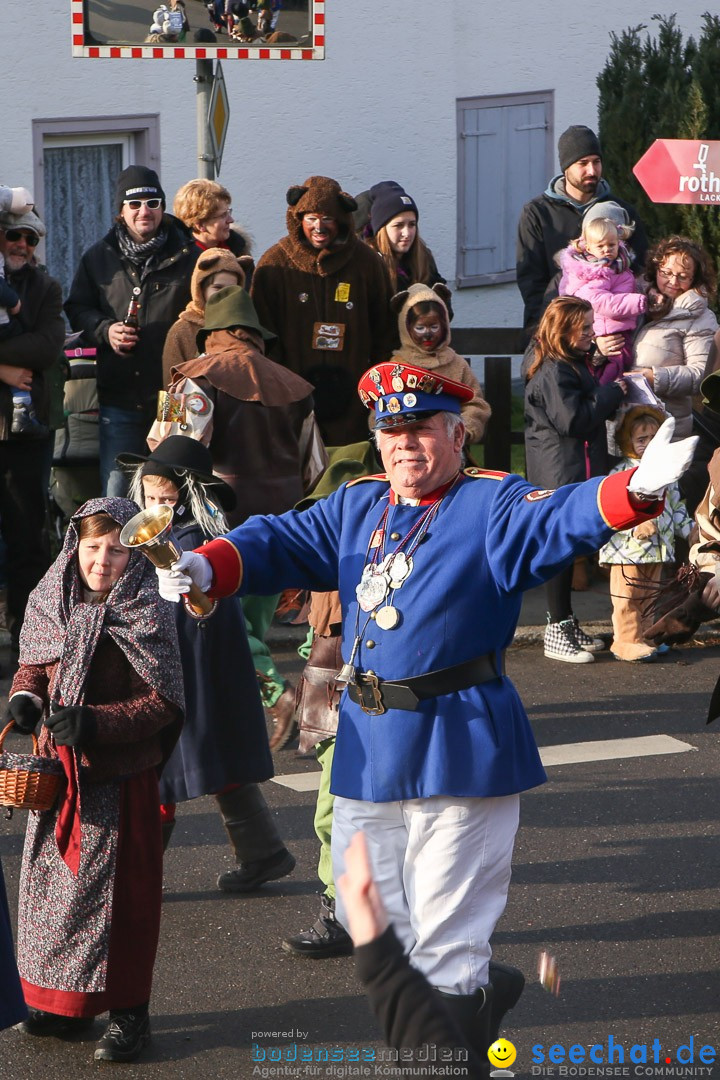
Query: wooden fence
{"points": [[496, 344]]}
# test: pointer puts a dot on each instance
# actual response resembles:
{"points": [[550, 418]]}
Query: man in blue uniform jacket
{"points": [[433, 744]]}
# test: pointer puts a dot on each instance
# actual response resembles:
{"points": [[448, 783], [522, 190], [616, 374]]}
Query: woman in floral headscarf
{"points": [[99, 665]]}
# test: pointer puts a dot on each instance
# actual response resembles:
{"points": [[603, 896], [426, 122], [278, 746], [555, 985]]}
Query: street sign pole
{"points": [[204, 80]]}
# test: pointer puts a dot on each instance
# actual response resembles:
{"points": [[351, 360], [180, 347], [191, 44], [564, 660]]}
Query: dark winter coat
{"points": [[40, 343], [565, 414], [293, 288], [224, 739], [547, 225], [99, 297], [12, 1003]]}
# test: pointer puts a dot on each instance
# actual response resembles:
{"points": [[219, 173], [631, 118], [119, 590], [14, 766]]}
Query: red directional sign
{"points": [[681, 171]]}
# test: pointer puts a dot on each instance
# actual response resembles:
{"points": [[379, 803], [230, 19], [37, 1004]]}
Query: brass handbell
{"points": [[151, 531]]}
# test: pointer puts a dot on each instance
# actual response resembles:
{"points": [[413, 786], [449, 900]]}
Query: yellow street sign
{"points": [[218, 115]]}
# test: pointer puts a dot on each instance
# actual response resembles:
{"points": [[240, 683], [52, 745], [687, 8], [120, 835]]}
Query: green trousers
{"points": [[324, 814], [259, 611]]}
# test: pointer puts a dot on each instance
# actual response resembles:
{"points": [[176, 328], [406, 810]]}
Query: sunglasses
{"points": [[13, 235], [135, 204]]}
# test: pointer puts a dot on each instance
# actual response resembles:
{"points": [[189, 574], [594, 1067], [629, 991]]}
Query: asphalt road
{"points": [[615, 873]]}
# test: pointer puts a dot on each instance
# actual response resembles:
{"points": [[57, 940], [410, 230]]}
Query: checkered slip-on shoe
{"points": [[560, 644]]}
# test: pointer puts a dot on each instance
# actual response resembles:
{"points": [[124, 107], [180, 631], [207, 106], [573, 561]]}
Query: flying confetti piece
{"points": [[548, 973]]}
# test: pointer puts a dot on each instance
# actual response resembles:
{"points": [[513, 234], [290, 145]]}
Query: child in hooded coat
{"points": [[424, 329], [636, 556]]}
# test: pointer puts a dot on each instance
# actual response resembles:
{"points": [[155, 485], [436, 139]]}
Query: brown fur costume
{"points": [[296, 286]]}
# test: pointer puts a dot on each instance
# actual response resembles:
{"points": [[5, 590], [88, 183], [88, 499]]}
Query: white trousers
{"points": [[442, 866]]}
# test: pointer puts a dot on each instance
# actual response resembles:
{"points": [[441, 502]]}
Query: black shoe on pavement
{"points": [[126, 1036], [326, 937], [508, 983], [250, 875], [40, 1022]]}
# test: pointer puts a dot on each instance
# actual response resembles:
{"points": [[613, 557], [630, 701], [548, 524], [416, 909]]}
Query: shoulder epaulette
{"points": [[484, 474], [381, 477]]}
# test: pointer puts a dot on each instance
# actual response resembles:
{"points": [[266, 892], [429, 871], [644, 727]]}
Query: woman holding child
{"points": [[672, 348]]}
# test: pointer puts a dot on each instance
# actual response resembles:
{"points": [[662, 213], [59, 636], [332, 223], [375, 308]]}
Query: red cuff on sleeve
{"points": [[226, 563], [615, 506]]}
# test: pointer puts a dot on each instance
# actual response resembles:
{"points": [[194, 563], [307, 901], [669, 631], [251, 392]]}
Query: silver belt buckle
{"points": [[371, 701]]}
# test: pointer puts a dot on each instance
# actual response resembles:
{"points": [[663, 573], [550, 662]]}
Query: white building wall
{"points": [[381, 106]]}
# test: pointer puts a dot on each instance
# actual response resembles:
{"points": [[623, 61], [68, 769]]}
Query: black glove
{"points": [[74, 726], [25, 712]]}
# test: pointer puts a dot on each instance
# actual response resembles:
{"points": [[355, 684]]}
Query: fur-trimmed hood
{"points": [[623, 427], [403, 303], [319, 195], [210, 262]]}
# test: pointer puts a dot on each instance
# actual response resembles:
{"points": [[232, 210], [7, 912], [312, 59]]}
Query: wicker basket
{"points": [[28, 781]]}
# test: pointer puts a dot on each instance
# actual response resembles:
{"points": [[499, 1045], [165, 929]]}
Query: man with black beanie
{"points": [[129, 289], [550, 221]]}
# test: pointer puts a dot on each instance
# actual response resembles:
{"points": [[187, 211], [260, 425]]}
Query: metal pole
{"points": [[204, 80]]}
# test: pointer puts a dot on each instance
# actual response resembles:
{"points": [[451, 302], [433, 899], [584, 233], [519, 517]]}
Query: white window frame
{"points": [[138, 134]]}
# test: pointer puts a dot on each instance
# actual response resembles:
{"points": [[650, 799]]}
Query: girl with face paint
{"points": [[424, 331]]}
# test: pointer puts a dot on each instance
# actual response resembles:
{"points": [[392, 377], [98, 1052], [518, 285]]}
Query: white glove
{"points": [[663, 462], [176, 581]]}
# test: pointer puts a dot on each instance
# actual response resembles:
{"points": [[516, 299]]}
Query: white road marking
{"points": [[563, 754], [609, 749]]}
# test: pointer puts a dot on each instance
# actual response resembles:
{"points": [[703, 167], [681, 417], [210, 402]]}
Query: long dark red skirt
{"points": [[87, 943]]}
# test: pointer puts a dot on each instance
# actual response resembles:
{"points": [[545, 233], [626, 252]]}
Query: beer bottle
{"points": [[131, 319]]}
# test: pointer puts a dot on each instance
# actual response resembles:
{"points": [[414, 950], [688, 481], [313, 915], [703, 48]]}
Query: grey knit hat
{"points": [[611, 210], [28, 220], [575, 143]]}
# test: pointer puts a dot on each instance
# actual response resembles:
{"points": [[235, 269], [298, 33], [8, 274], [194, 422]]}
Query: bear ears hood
{"points": [[403, 303], [319, 195]]}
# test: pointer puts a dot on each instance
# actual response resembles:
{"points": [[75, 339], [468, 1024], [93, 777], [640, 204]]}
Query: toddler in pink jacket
{"points": [[596, 267]]}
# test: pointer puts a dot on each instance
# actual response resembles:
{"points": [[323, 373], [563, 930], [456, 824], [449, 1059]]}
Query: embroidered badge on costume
{"points": [[328, 336], [535, 496], [342, 293], [197, 403]]}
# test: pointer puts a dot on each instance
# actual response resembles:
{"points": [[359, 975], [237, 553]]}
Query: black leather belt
{"points": [[375, 695]]}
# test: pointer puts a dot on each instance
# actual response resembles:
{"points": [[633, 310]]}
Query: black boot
{"points": [[127, 1034], [508, 984], [40, 1022], [471, 1013], [255, 840], [326, 937]]}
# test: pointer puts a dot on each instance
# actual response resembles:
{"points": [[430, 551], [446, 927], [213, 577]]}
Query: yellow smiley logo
{"points": [[502, 1054]]}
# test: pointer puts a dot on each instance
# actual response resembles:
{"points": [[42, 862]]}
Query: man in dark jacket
{"points": [[146, 260], [24, 456], [550, 221]]}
